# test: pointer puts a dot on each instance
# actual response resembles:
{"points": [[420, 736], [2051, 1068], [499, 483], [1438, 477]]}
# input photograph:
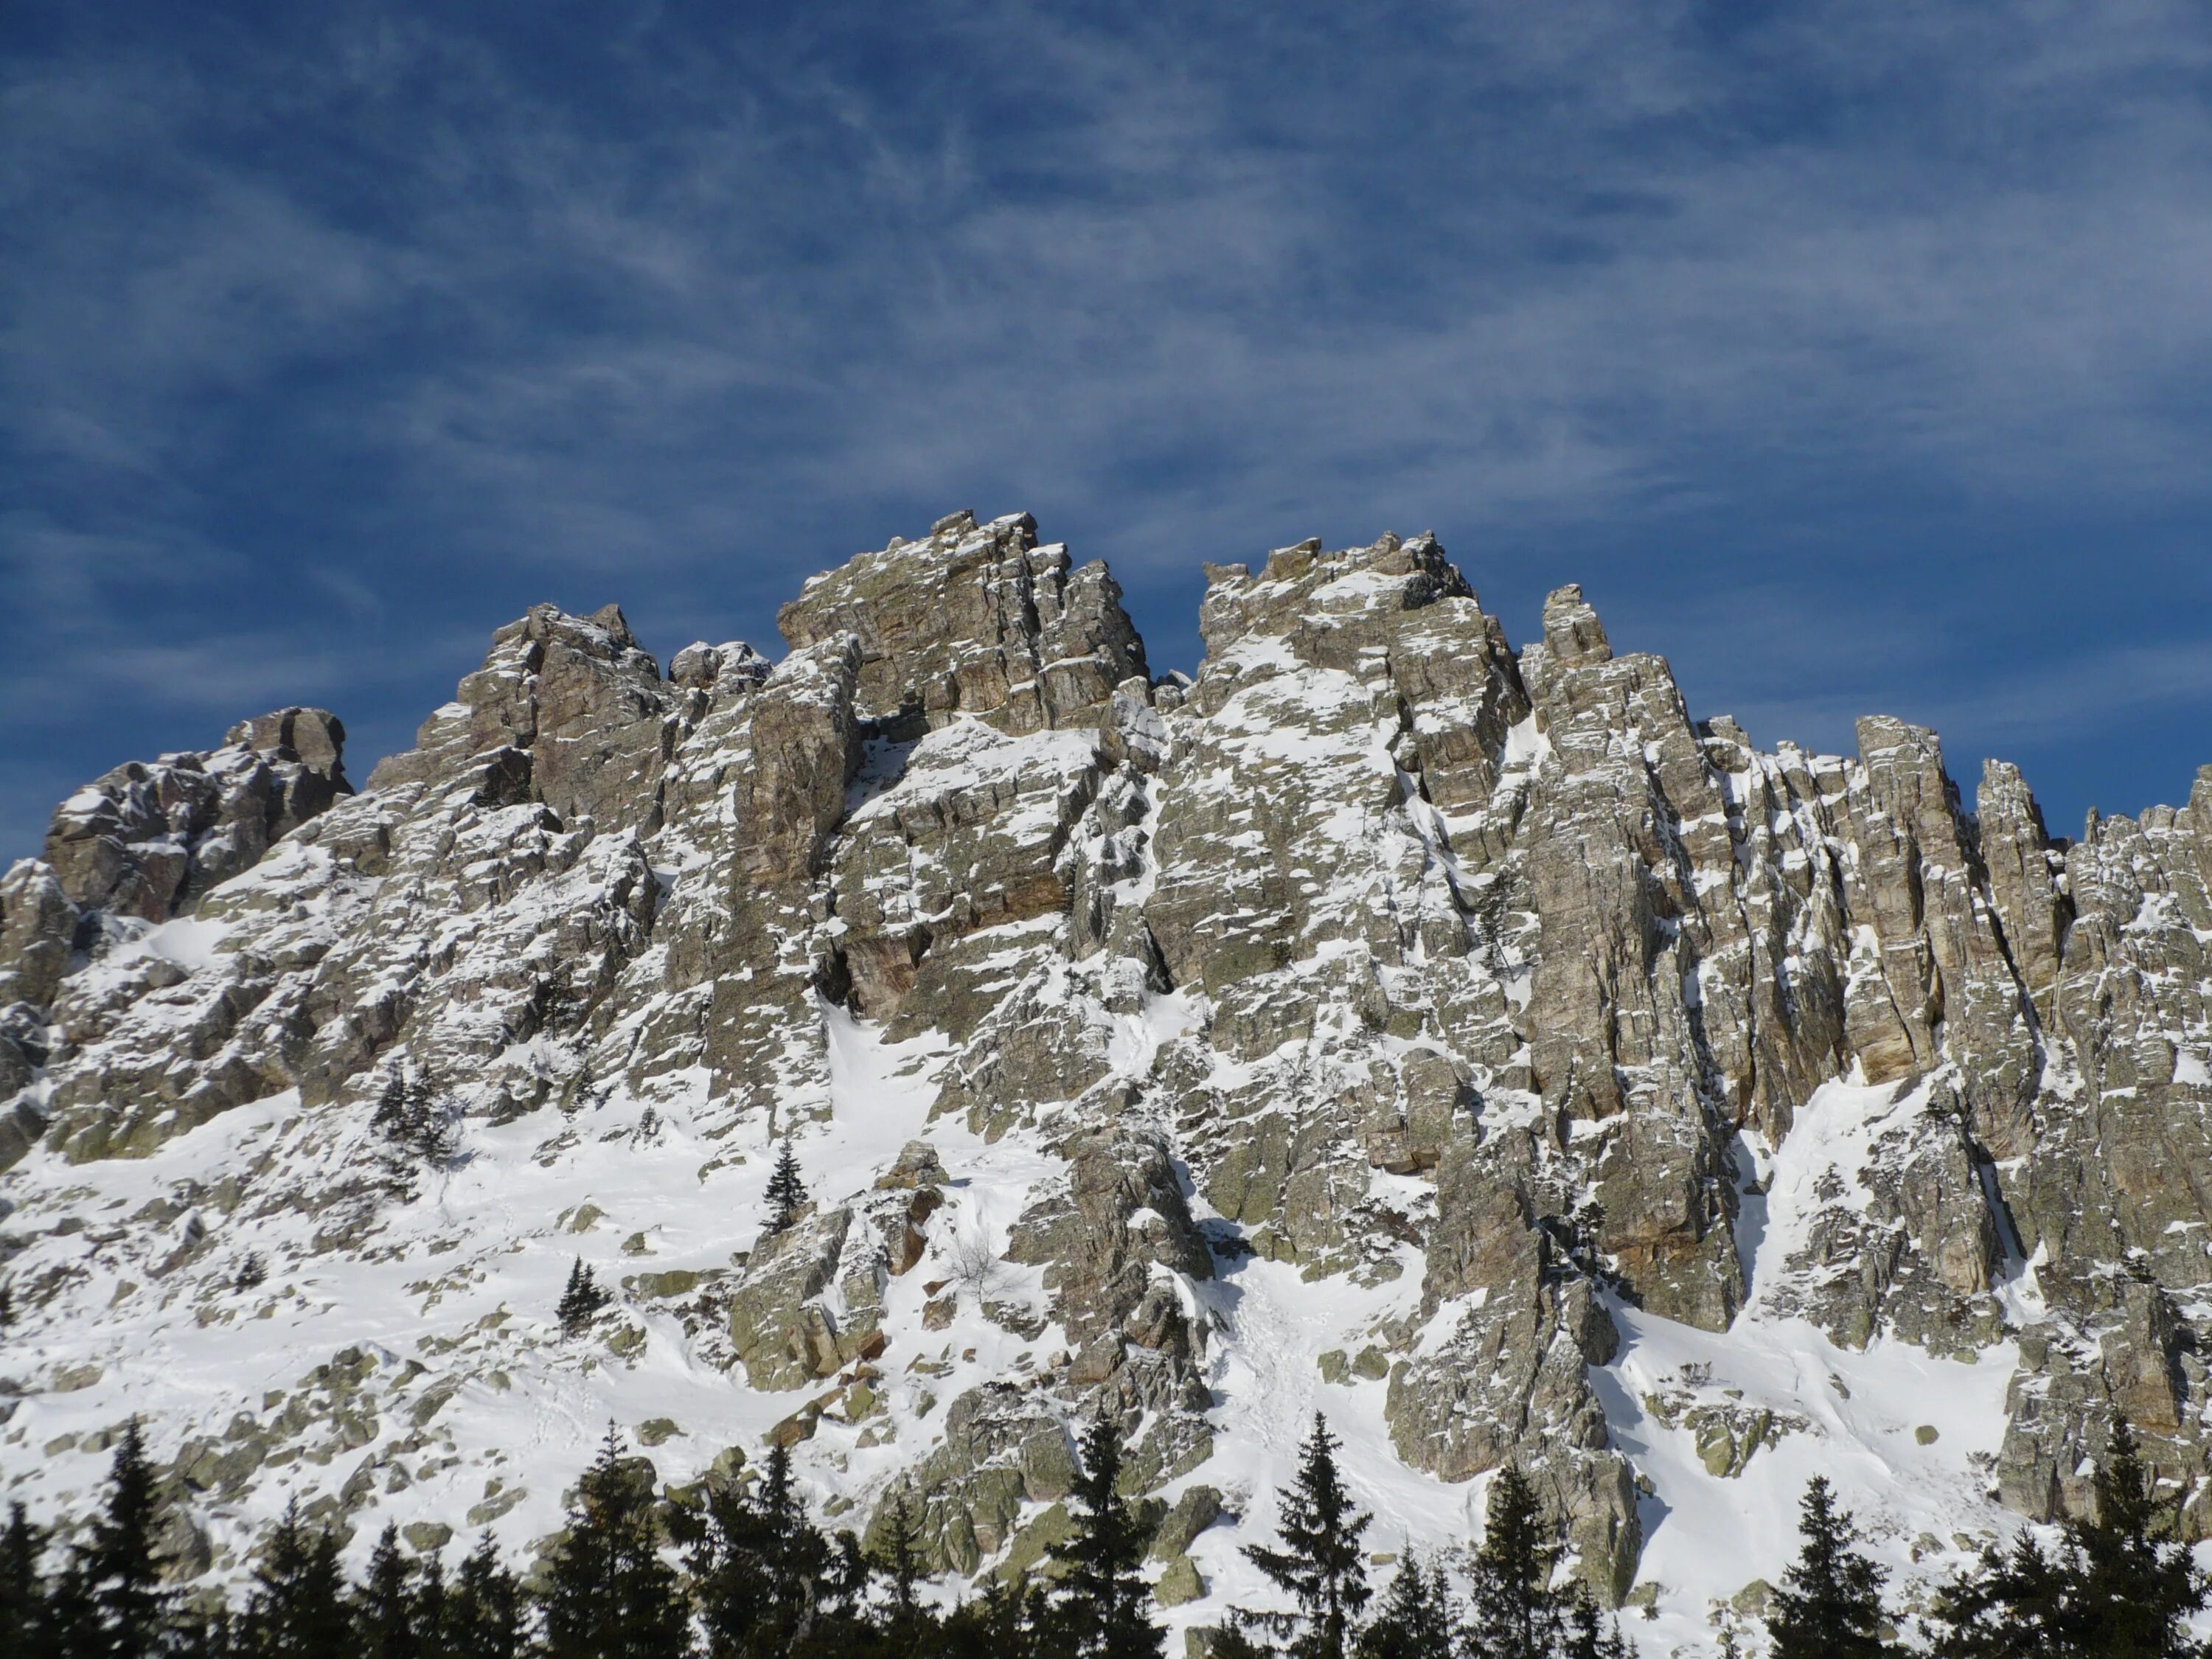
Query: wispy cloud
{"points": [[374, 321]]}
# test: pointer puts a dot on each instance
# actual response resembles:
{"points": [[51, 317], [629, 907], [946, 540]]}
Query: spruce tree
{"points": [[1005, 1622], [26, 1626], [1512, 1610], [123, 1610], [2119, 1586], [1829, 1603], [204, 1632], [786, 1192], [428, 1603], [72, 1621], [1414, 1620], [582, 1302], [898, 1562], [2139, 1584], [418, 1126], [2014, 1602], [386, 1619], [1319, 1564], [1100, 1611], [1586, 1633], [608, 1594], [483, 1614], [762, 1572], [296, 1607]]}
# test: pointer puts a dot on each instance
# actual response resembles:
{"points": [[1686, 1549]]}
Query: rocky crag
{"points": [[1466, 1041]]}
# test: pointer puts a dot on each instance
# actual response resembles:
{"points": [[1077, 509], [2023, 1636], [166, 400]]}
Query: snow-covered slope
{"points": [[1460, 1041]]}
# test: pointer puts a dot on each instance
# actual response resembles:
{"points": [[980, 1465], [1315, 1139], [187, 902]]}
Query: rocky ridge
{"points": [[1155, 1046]]}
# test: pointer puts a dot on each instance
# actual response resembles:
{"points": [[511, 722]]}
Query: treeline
{"points": [[747, 1575]]}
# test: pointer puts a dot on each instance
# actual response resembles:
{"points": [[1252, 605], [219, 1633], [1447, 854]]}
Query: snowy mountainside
{"points": [[1459, 1040]]}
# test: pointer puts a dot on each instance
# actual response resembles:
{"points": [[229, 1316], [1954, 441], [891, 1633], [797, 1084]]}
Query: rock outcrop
{"points": [[1478, 986]]}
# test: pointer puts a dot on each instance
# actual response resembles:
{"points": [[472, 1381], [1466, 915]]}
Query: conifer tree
{"points": [[2119, 1586], [1512, 1609], [204, 1632], [416, 1123], [898, 1561], [1319, 1564], [296, 1608], [386, 1617], [1586, 1633], [786, 1192], [121, 1610], [761, 1571], [1004, 1622], [1235, 1640], [1829, 1603], [483, 1615], [7, 1307], [1100, 1611], [429, 1604], [608, 1594], [26, 1626], [2016, 1601], [582, 1302], [1414, 1620], [2139, 1584], [72, 1621]]}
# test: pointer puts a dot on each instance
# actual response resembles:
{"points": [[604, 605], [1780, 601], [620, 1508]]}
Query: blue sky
{"points": [[1858, 356]]}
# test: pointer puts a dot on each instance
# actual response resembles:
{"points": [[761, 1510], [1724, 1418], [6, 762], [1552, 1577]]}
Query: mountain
{"points": [[1462, 1042]]}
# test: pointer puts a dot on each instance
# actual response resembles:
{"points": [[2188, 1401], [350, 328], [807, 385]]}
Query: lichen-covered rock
{"points": [[978, 619], [146, 840], [783, 1327], [1001, 1449], [1499, 1371], [1900, 1237], [1378, 952], [1100, 1238]]}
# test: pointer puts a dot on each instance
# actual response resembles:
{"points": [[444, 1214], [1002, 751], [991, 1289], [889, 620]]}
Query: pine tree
{"points": [[582, 1302], [608, 1594], [416, 1122], [1002, 1623], [428, 1603], [898, 1562], [121, 1609], [786, 1192], [2019, 1600], [386, 1619], [204, 1632], [26, 1613], [2139, 1584], [1101, 1610], [7, 1307], [253, 1272], [1415, 1619], [296, 1607], [2119, 1586], [1829, 1603], [483, 1615], [1512, 1609], [1319, 1564], [1586, 1633], [761, 1571], [1235, 1640]]}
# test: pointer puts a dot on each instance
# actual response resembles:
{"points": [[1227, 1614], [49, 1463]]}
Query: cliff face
{"points": [[1466, 1041]]}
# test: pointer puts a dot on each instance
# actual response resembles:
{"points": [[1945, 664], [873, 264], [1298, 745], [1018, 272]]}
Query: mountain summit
{"points": [[1464, 1042]]}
